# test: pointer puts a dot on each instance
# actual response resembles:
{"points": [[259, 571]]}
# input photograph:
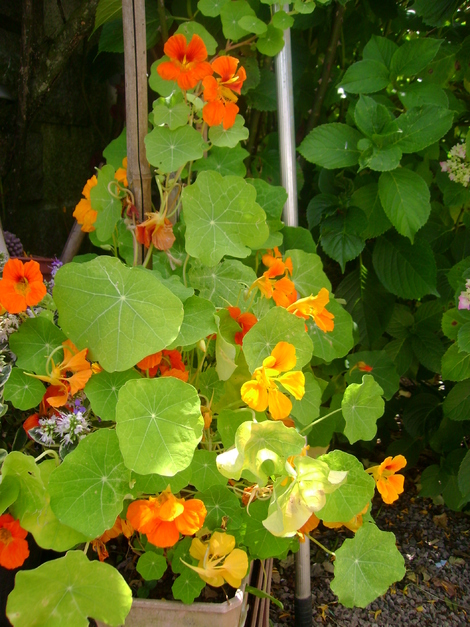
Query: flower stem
{"points": [[320, 419], [312, 539]]}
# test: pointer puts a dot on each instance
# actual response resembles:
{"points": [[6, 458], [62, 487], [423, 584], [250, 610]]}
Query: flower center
{"points": [[5, 536], [22, 286]]}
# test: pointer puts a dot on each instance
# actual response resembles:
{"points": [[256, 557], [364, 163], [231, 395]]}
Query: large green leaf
{"points": [[308, 408], [172, 111], [222, 217], [108, 207], [367, 198], [350, 498], [34, 342], [336, 343], [229, 138], [225, 161], [455, 364], [278, 325], [198, 321], [456, 405], [428, 348], [22, 391], [102, 391], [230, 14], [340, 235], [67, 591], [88, 489], [371, 117], [420, 94], [405, 199], [366, 566], [362, 405], [463, 478], [169, 149], [204, 470], [383, 370], [32, 493], [332, 146], [9, 492], [121, 314], [380, 49], [226, 349], [107, 11], [221, 504], [159, 424], [261, 542], [414, 55], [365, 77], [261, 451], [271, 42], [224, 284], [423, 126], [406, 270], [307, 274]]}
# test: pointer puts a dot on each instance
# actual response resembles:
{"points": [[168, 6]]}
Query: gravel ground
{"points": [[435, 591]]}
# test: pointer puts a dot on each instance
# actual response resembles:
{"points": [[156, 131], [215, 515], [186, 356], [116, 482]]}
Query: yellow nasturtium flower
{"points": [[219, 560], [262, 391], [315, 307]]}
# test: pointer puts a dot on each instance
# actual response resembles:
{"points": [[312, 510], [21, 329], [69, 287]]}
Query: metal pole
{"points": [[285, 102]]}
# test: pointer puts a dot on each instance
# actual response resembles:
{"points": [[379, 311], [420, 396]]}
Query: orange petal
{"points": [[213, 113], [280, 405], [192, 519], [225, 67], [230, 114], [164, 534], [175, 47], [284, 354], [168, 71], [196, 51]]}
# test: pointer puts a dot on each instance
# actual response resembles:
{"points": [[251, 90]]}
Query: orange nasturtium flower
{"points": [[22, 285], [245, 320], [69, 376], [219, 560], [156, 230], [262, 391], [121, 173], [353, 525], [84, 214], [281, 290], [168, 362], [314, 307], [14, 548], [218, 92], [121, 526], [187, 64], [389, 484], [164, 517]]}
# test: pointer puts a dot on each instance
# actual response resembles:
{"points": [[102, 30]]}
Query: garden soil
{"points": [[435, 543]]}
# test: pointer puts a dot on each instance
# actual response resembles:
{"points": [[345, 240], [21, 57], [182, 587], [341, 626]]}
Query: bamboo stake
{"points": [[286, 124], [135, 62]]}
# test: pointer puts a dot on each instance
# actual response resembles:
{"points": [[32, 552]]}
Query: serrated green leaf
{"points": [[453, 320], [272, 42], [151, 566], [464, 477], [406, 270], [67, 591], [278, 325], [366, 566], [224, 284], [456, 405], [108, 207], [365, 77], [367, 198], [102, 391], [22, 391], [222, 217], [422, 415], [414, 55], [419, 94], [429, 481], [361, 406], [332, 146], [159, 424], [380, 49], [229, 138], [110, 308], [423, 126], [92, 478], [264, 96], [371, 117], [340, 237], [106, 11], [455, 365], [169, 150]]}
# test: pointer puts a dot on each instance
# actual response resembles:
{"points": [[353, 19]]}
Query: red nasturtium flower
{"points": [[84, 214], [156, 230], [164, 517], [69, 376], [389, 484], [14, 548], [187, 64], [22, 285], [245, 320], [218, 92]]}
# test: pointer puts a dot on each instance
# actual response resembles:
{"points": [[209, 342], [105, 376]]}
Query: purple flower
{"points": [[464, 301]]}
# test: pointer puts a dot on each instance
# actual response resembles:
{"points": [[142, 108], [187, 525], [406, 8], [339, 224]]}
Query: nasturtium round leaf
{"points": [[350, 498], [366, 566], [229, 138], [406, 270], [32, 495], [222, 217], [332, 146], [230, 14], [160, 85], [108, 207], [204, 470], [226, 349], [67, 591], [382, 369], [211, 8], [48, 531], [102, 391], [224, 284], [405, 198], [121, 314], [225, 161], [172, 111], [116, 150], [153, 484], [159, 424], [336, 343], [151, 566], [252, 24], [308, 408], [362, 405], [198, 322], [9, 492], [221, 504], [22, 391], [261, 451], [278, 325], [261, 543], [282, 20], [228, 421], [88, 489], [308, 275], [271, 42], [34, 342], [456, 405], [187, 586], [169, 149]]}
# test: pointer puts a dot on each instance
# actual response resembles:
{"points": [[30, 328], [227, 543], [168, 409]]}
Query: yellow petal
{"points": [[255, 395], [294, 383], [284, 353], [198, 549], [279, 405], [221, 544], [235, 567]]}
